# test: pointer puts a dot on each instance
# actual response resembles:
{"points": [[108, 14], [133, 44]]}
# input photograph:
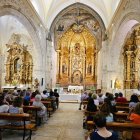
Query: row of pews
{"points": [[30, 115], [122, 122]]}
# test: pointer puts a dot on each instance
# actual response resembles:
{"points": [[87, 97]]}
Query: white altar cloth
{"points": [[70, 97]]}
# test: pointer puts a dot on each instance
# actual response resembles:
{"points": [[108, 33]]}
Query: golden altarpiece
{"points": [[76, 57], [132, 60], [19, 65]]}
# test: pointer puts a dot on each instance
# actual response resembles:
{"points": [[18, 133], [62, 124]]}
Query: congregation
{"points": [[39, 105], [105, 108]]}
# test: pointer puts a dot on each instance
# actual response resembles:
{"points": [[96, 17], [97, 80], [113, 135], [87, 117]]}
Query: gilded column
{"points": [[92, 72], [128, 71], [70, 74], [58, 65]]}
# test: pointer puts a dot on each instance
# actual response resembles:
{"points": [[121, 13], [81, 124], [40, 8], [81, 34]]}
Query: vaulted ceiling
{"points": [[48, 9]]}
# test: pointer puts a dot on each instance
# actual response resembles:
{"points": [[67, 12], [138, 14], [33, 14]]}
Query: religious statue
{"points": [[76, 79], [36, 83], [64, 68], [77, 48], [17, 66], [89, 69], [139, 86], [117, 84]]}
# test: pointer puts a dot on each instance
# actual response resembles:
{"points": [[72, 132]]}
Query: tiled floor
{"points": [[65, 124]]}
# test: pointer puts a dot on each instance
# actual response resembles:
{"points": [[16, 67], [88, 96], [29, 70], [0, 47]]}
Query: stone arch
{"points": [[122, 29], [118, 37], [28, 25], [82, 6], [86, 3]]}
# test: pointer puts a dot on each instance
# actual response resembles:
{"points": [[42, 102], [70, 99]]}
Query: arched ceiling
{"points": [[48, 9]]}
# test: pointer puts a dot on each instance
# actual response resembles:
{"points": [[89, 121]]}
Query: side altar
{"points": [[19, 65]]}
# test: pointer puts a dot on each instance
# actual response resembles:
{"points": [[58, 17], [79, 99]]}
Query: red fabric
{"points": [[121, 99], [136, 119]]}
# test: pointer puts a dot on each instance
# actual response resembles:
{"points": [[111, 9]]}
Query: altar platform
{"points": [[70, 97]]}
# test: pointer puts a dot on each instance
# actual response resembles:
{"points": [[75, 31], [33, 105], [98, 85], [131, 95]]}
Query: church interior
{"points": [[58, 58]]}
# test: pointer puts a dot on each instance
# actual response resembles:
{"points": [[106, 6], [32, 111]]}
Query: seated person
{"points": [[3, 109], [27, 98], [91, 107], [111, 102], [135, 118], [121, 98], [53, 98], [100, 98], [102, 133], [16, 108], [43, 112], [96, 101], [32, 98], [116, 96], [133, 101], [105, 110], [44, 95]]}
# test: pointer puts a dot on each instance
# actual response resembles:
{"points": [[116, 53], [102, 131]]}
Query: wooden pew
{"points": [[88, 113], [17, 117], [32, 109], [122, 108], [47, 104], [127, 126], [121, 116], [122, 104]]}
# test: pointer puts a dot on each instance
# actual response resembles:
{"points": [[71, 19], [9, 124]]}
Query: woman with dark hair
{"points": [[133, 101], [116, 96], [105, 110], [102, 133], [3, 109], [111, 104], [17, 109], [33, 96], [91, 106], [17, 106], [121, 98], [135, 117]]}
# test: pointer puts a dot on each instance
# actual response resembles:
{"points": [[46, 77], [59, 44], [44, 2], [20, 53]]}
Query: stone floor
{"points": [[65, 124]]}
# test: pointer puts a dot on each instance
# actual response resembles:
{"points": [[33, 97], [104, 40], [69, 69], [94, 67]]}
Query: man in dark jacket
{"points": [[57, 97]]}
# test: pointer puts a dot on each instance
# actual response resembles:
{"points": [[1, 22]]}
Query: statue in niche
{"points": [[64, 68], [89, 69], [117, 84], [77, 79], [36, 83], [139, 86], [17, 65], [77, 48]]}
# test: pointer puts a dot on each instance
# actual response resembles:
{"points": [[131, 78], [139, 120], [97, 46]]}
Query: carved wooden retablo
{"points": [[19, 65], [76, 57]]}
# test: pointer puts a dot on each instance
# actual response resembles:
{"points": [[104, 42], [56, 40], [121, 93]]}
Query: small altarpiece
{"points": [[19, 65], [131, 55]]}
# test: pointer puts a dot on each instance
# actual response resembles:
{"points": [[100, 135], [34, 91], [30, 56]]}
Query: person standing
{"points": [[84, 97], [57, 97]]}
